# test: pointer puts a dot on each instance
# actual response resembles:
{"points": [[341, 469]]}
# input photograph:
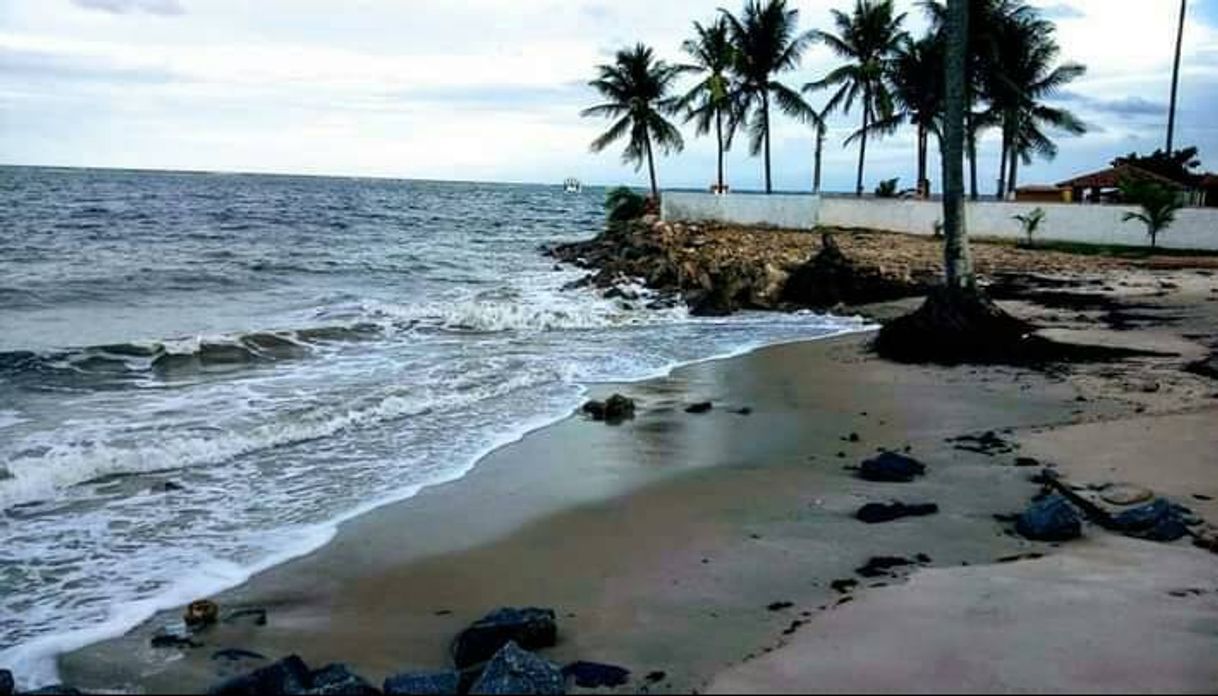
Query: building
{"points": [[1104, 186]]}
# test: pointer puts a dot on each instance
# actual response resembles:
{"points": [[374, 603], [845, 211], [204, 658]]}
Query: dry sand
{"points": [[662, 541]]}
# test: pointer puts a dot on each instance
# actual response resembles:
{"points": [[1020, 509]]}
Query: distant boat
{"points": [[572, 185]]}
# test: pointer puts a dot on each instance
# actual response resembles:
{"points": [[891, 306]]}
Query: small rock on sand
{"points": [[892, 468], [700, 407], [877, 566], [876, 513], [1125, 494], [593, 675]]}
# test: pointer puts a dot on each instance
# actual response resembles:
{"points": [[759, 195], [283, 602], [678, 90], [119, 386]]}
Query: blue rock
{"points": [[1050, 519], [531, 628], [338, 680], [424, 683], [1158, 520], [891, 467], [514, 671]]}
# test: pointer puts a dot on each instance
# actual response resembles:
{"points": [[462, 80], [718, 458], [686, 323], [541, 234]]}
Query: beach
{"points": [[700, 550]]}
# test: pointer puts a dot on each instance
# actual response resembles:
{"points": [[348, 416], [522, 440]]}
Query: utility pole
{"points": [[1175, 81]]}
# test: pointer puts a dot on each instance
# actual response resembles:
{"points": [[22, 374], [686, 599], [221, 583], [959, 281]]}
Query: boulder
{"points": [[531, 628], [594, 675], [1125, 494], [287, 676], [515, 671], [424, 683], [877, 513], [891, 467], [338, 680], [1050, 519], [1159, 520], [615, 409]]}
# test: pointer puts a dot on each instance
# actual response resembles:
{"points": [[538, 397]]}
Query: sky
{"points": [[491, 90]]}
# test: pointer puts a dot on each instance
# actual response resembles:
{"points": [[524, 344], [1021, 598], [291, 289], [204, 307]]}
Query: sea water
{"points": [[202, 374]]}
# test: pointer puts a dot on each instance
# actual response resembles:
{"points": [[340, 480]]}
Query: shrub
{"points": [[1159, 206], [623, 204], [1030, 223], [887, 188]]}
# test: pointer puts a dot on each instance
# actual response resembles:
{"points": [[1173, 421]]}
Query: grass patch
{"points": [[1121, 251]]}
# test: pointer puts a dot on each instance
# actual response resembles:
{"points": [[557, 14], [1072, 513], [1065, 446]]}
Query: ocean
{"points": [[202, 375]]}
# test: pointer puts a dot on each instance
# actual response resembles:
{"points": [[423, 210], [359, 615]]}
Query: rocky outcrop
{"points": [[1050, 519], [530, 628], [615, 409], [718, 272], [891, 467], [515, 671], [338, 680], [288, 676]]}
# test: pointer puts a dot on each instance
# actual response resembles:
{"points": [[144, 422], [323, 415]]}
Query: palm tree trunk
{"points": [[858, 186], [1013, 178], [765, 124], [957, 264], [719, 138], [1175, 81], [820, 147], [923, 188], [651, 167], [971, 138], [1002, 162]]}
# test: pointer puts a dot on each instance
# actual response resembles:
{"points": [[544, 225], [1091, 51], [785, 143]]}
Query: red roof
{"points": [[1112, 177]]}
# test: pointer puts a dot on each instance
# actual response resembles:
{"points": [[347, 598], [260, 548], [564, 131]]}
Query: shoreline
{"points": [[34, 661]]}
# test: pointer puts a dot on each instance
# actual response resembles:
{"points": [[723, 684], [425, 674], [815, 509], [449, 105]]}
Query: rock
{"points": [[853, 437], [1050, 519], [514, 671], [531, 628], [1026, 462], [201, 613], [593, 675], [287, 676], [988, 443], [1159, 520], [876, 513], [7, 684], [234, 654], [700, 407], [830, 278], [256, 616], [654, 677], [779, 606], [173, 637], [745, 411], [1125, 494], [615, 409], [54, 690], [891, 467], [877, 566], [424, 683], [844, 585], [338, 680]]}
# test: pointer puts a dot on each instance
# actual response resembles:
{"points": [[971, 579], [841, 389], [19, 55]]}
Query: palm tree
{"points": [[915, 80], [1158, 202], [714, 98], [957, 266], [1175, 79], [767, 43], [869, 39], [1020, 79], [636, 86]]}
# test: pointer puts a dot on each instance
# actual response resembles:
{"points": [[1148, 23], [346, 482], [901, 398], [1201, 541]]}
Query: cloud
{"points": [[1126, 107], [157, 7]]}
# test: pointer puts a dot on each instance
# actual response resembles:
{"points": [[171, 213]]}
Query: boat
{"points": [[572, 185]]}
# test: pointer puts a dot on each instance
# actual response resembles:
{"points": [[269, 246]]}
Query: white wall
{"points": [[1195, 228], [792, 212]]}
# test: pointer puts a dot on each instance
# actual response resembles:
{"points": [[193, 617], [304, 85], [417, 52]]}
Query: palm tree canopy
{"points": [[768, 43], [714, 56], [915, 81], [636, 88], [868, 38]]}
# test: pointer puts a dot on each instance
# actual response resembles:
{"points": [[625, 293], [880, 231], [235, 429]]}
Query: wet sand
{"points": [[662, 541]]}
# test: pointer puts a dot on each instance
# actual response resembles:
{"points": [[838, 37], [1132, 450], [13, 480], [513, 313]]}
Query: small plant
{"points": [[887, 188], [938, 229], [1159, 206], [624, 204], [1030, 223]]}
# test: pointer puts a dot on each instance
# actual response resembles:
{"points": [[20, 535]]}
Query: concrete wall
{"points": [[792, 212], [1195, 228]]}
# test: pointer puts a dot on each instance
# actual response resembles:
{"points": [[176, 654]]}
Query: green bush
{"points": [[623, 204], [1158, 202], [887, 188], [1030, 223]]}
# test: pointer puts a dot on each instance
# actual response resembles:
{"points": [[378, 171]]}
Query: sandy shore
{"points": [[662, 541]]}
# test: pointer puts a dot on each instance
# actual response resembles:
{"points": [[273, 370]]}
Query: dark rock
{"points": [[922, 558], [1158, 520], [1043, 477], [654, 677], [844, 585], [615, 409], [854, 437], [700, 407], [1050, 519], [287, 676], [7, 684], [1026, 461], [234, 654], [593, 675], [256, 616], [168, 487], [424, 683], [892, 468], [173, 637], [514, 671], [876, 513], [829, 278], [877, 566], [201, 613], [744, 411], [988, 443], [338, 680], [779, 606], [531, 628]]}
